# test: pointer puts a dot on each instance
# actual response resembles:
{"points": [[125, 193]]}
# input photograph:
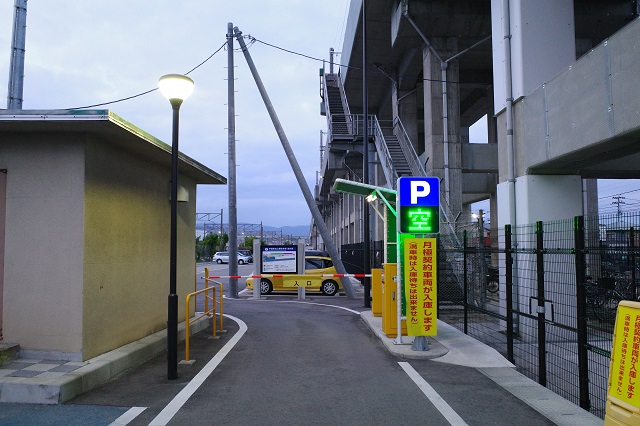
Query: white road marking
{"points": [[433, 396], [183, 396], [127, 417]]}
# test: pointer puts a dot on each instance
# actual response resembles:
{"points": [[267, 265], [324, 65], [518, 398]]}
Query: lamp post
{"points": [[176, 88]]}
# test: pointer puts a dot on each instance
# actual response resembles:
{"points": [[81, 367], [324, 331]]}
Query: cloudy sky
{"points": [[81, 53]]}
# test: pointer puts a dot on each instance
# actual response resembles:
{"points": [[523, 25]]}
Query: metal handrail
{"points": [[334, 80], [220, 302], [189, 321], [407, 147], [386, 161]]}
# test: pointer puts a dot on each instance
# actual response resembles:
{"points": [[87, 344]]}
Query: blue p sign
{"points": [[418, 205]]}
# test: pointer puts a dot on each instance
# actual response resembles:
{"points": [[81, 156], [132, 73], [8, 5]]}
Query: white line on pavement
{"points": [[183, 396], [433, 396], [127, 417]]}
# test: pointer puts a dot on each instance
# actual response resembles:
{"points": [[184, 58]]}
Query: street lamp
{"points": [[176, 88]]}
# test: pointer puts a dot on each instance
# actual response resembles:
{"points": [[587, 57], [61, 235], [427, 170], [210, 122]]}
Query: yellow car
{"points": [[314, 267]]}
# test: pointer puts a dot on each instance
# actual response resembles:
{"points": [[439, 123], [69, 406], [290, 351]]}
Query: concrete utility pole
{"points": [[233, 212], [366, 227], [315, 212], [16, 67]]}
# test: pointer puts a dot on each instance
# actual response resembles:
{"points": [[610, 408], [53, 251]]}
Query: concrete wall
{"points": [[594, 103], [127, 238], [44, 237], [542, 44]]}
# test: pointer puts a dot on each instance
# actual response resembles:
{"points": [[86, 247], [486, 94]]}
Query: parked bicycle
{"points": [[603, 298], [492, 280]]}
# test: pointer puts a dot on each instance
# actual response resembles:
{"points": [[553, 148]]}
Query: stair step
{"points": [[8, 352]]}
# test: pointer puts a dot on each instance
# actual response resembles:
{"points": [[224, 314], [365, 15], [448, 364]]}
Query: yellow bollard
{"points": [[376, 292], [389, 302]]}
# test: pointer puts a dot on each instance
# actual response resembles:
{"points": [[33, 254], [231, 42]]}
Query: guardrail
{"points": [[207, 281], [209, 295]]}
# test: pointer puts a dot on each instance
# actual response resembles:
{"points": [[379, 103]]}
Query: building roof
{"points": [[111, 128]]}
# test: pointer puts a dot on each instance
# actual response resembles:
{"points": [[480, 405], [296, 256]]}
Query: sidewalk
{"points": [[41, 381], [454, 347]]}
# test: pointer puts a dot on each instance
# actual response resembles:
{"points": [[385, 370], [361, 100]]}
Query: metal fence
{"points": [[553, 312]]}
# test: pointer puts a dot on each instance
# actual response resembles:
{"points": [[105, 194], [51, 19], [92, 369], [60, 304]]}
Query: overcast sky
{"points": [[81, 53]]}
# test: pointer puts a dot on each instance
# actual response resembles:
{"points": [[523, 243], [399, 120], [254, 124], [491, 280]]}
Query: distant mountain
{"points": [[296, 231]]}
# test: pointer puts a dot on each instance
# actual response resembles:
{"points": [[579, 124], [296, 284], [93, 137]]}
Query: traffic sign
{"points": [[418, 205]]}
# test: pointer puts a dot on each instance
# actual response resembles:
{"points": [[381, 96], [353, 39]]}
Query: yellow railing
{"points": [[220, 302], [209, 296]]}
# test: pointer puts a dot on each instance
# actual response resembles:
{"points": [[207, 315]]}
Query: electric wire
{"points": [[146, 91], [378, 70]]}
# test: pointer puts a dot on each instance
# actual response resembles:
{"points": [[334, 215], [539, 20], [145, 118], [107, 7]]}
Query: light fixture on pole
{"points": [[176, 88]]}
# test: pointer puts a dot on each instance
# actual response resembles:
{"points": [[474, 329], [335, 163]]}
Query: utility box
{"points": [[376, 292], [389, 301]]}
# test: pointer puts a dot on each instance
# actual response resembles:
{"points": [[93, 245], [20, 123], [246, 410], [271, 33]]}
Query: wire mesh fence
{"points": [[553, 310]]}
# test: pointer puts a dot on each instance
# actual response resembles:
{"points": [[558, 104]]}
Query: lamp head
{"points": [[175, 87]]}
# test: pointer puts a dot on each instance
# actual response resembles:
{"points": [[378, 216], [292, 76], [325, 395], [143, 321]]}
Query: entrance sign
{"points": [[420, 280], [418, 205]]}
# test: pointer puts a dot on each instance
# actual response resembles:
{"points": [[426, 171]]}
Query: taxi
{"points": [[315, 267]]}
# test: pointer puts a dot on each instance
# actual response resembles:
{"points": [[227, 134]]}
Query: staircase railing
{"points": [[333, 80], [417, 169]]}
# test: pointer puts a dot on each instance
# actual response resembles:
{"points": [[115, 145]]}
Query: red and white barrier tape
{"points": [[282, 276]]}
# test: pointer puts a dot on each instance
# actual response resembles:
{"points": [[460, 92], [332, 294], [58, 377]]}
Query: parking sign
{"points": [[418, 205]]}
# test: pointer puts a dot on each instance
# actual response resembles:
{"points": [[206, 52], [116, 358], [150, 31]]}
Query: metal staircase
{"points": [[397, 158]]}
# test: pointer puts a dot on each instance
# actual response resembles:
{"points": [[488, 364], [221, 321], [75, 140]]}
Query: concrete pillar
{"points": [[433, 120], [590, 201], [542, 38]]}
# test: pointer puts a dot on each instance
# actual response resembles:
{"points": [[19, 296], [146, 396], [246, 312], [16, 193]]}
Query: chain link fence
{"points": [[553, 310]]}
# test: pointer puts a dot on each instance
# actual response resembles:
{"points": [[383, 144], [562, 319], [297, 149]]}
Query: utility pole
{"points": [[365, 162], [618, 200], [16, 67], [304, 187], [233, 212]]}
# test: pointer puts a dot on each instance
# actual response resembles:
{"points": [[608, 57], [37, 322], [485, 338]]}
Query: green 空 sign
{"points": [[419, 220]]}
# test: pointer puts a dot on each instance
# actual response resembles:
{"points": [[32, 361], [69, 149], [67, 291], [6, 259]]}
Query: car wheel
{"points": [[219, 261], [329, 288], [265, 286], [240, 262]]}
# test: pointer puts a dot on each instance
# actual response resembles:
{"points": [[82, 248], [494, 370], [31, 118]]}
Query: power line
{"points": [[147, 91]]}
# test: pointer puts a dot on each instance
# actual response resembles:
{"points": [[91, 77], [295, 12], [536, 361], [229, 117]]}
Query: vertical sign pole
{"points": [[301, 265], [257, 267]]}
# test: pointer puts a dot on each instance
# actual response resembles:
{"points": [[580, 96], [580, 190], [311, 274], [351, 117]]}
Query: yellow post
{"points": [[186, 342], [222, 330], [206, 285], [389, 302], [213, 313], [376, 292]]}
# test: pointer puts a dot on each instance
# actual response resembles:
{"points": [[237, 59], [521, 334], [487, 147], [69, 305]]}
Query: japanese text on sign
{"points": [[623, 374], [420, 281]]}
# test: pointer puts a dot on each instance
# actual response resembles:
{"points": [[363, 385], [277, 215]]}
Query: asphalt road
{"points": [[292, 363]]}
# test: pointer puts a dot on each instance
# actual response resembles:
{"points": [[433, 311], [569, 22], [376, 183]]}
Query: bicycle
{"points": [[603, 298]]}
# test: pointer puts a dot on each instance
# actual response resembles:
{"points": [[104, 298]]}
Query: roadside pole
{"points": [[233, 212], [304, 187], [257, 262]]}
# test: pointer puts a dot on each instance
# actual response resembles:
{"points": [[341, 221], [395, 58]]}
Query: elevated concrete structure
{"points": [[574, 96]]}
